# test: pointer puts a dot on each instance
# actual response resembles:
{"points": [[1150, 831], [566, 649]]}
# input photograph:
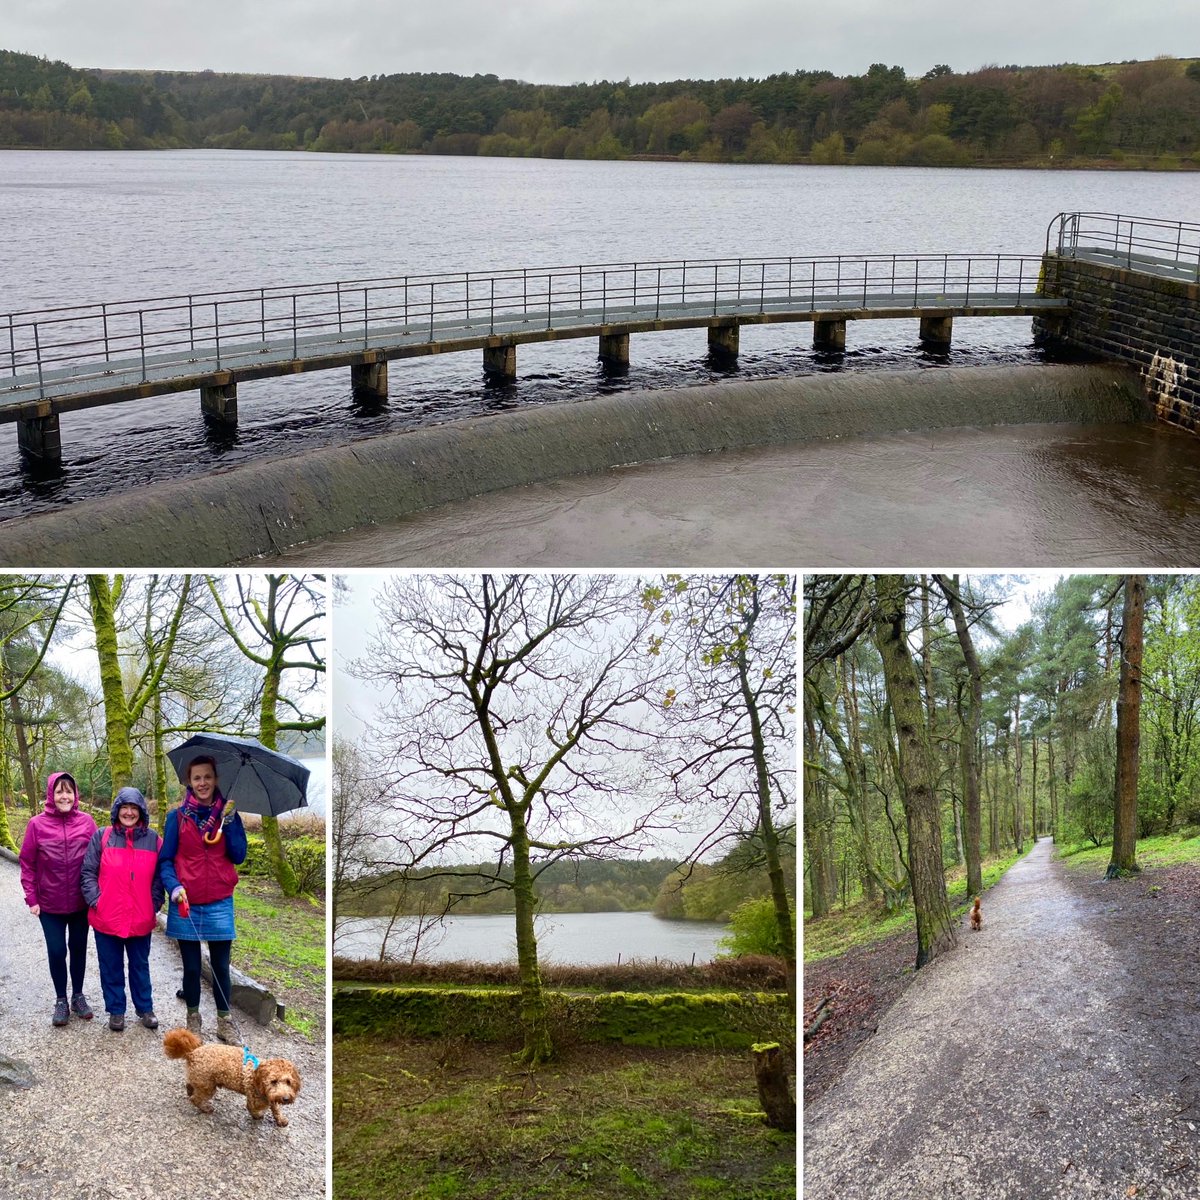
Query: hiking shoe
{"points": [[80, 1007], [194, 1022], [116, 1022], [62, 1014], [148, 1019], [226, 1031]]}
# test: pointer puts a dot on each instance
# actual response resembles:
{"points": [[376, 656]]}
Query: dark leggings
{"points": [[218, 957], [60, 931]]}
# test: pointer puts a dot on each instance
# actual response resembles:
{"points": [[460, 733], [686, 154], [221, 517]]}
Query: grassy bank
{"points": [[862, 923], [1170, 850], [448, 1117], [281, 943]]}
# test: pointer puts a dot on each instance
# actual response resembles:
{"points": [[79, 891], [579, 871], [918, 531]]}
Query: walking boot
{"points": [[226, 1031], [116, 1022], [80, 1007], [62, 1014], [194, 1021], [148, 1019]]}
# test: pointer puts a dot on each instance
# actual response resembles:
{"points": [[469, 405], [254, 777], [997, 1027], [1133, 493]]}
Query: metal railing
{"points": [[102, 346], [1141, 243]]}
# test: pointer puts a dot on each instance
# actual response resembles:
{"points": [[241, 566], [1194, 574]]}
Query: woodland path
{"points": [[107, 1116], [1053, 1055]]}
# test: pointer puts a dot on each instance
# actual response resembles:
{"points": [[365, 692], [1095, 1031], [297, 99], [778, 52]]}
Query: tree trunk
{"points": [[268, 732], [1129, 703], [770, 1073], [116, 710], [817, 822], [766, 823], [35, 800], [538, 1047], [935, 931], [970, 741]]}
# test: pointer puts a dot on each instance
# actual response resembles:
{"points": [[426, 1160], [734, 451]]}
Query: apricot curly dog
{"points": [[976, 916], [270, 1084]]}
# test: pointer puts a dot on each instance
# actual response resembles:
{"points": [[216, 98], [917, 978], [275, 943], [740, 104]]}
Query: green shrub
{"points": [[754, 929], [305, 855]]}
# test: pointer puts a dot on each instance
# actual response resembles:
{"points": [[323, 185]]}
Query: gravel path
{"points": [[1032, 1062], [107, 1115]]}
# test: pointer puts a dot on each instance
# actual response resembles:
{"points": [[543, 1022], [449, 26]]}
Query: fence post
{"points": [[142, 340], [603, 297], [967, 297], [12, 344], [431, 310], [104, 321], [658, 293], [262, 313], [339, 303], [366, 318], [492, 306], [37, 349], [217, 332], [762, 288], [191, 328]]}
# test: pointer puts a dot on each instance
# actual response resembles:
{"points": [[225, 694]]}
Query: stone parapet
{"points": [[1133, 317]]}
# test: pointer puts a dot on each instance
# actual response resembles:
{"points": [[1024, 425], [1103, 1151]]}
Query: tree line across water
{"points": [[1139, 113], [935, 738]]}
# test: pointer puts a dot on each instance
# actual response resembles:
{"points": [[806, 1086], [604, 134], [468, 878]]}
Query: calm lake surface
{"points": [[568, 938], [82, 227]]}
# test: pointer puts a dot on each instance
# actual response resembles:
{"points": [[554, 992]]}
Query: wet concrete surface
{"points": [[1020, 1065], [1009, 495], [107, 1117]]}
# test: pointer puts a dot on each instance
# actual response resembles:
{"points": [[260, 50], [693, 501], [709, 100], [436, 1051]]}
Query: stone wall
{"points": [[1143, 320]]}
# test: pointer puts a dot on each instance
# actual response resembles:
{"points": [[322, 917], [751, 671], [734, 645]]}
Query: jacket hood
{"points": [[130, 795], [53, 779]]}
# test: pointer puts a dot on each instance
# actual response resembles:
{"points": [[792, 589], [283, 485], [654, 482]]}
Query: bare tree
{"points": [[523, 714], [734, 715], [278, 623]]}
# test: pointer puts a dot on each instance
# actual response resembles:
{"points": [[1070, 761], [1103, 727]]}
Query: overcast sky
{"points": [[567, 41]]}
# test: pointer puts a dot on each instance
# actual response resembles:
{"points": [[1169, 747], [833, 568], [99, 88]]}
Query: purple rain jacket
{"points": [[52, 854]]}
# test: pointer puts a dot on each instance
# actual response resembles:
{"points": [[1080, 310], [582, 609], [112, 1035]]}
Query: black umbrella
{"points": [[249, 775]]}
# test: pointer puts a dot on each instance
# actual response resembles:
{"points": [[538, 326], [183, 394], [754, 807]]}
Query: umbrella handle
{"points": [[213, 838]]}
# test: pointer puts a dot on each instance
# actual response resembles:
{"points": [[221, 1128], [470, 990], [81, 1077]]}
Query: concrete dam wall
{"points": [[259, 509]]}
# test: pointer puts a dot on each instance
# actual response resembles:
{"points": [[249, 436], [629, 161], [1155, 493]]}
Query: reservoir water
{"points": [[567, 938], [92, 226]]}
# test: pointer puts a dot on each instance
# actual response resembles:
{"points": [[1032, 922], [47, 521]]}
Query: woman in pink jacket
{"points": [[123, 892], [51, 863]]}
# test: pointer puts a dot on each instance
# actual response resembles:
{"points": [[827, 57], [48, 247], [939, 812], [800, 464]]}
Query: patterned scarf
{"points": [[192, 808]]}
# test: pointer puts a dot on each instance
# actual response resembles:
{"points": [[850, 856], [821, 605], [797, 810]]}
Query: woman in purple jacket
{"points": [[123, 892], [51, 863]]}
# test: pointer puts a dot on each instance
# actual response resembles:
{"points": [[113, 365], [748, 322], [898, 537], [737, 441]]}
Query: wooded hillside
{"points": [[1143, 114]]}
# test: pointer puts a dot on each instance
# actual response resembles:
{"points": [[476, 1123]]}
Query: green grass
{"points": [[862, 924], [281, 943], [448, 1117], [1168, 850]]}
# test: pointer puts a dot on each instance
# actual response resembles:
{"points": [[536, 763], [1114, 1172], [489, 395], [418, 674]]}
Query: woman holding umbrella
{"points": [[202, 845]]}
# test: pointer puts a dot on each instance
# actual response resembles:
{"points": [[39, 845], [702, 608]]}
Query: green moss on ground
{"points": [[452, 1118]]}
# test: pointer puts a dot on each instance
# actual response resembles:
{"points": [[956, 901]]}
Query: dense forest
{"points": [[936, 739], [1143, 114]]}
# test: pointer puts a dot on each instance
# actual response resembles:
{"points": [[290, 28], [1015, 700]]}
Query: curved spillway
{"points": [[262, 509]]}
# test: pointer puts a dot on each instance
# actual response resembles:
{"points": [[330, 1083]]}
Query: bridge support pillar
{"points": [[935, 332], [614, 349], [219, 403], [723, 342], [500, 361], [38, 439], [829, 336], [370, 378]]}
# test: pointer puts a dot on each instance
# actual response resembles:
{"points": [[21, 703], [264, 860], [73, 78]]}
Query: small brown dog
{"points": [[270, 1084], [976, 916]]}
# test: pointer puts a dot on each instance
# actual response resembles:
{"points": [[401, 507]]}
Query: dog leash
{"points": [[248, 1059]]}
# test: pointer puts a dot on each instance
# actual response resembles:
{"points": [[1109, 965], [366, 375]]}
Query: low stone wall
{"points": [[1151, 323], [706, 1021], [229, 517]]}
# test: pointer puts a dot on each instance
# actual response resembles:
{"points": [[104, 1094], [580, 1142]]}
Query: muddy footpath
{"points": [[1054, 1054], [89, 1114]]}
